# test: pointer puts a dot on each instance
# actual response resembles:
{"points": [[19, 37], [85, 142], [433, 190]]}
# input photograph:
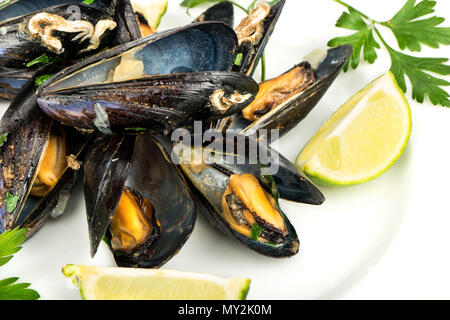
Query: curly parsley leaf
{"points": [[423, 83], [10, 242], [10, 290], [410, 33], [363, 39]]}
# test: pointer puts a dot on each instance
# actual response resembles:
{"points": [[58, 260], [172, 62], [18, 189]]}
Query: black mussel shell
{"points": [[223, 12], [14, 8], [127, 25], [104, 181], [244, 154], [210, 180], [19, 46], [251, 53], [290, 113], [157, 103], [12, 81], [139, 164], [28, 130]]}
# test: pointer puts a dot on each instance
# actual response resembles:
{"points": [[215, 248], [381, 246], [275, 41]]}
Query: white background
{"points": [[387, 239]]}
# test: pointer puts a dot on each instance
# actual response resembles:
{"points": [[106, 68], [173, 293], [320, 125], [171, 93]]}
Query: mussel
{"points": [[39, 164], [240, 198], [253, 33], [55, 30], [158, 83], [63, 32], [286, 100], [139, 202]]}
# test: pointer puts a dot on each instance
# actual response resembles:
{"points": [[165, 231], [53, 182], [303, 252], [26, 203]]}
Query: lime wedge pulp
{"points": [[362, 139], [97, 283]]}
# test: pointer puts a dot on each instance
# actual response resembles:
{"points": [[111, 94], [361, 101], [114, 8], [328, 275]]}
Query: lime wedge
{"points": [[153, 10], [97, 283], [362, 139]]}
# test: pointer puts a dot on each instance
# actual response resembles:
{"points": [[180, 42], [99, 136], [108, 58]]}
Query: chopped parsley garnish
{"points": [[255, 231]]}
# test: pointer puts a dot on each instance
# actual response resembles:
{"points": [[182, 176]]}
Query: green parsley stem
{"points": [[362, 14], [350, 7], [263, 67], [252, 5], [240, 7], [382, 39]]}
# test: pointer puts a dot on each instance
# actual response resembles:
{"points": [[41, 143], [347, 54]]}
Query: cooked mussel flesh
{"points": [[275, 91], [247, 206], [286, 100], [51, 165], [133, 223]]}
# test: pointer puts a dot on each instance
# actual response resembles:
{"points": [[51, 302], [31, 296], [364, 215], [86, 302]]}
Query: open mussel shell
{"points": [[253, 34], [289, 113], [66, 29], [139, 164], [223, 12], [31, 137], [170, 86], [238, 154], [232, 198]]}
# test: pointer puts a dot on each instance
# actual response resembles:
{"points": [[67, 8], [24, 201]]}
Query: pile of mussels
{"points": [[119, 89]]}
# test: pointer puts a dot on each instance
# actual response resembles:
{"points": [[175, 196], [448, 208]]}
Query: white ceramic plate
{"points": [[341, 241]]}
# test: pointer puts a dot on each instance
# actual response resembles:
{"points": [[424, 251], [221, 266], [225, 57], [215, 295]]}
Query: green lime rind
{"points": [[245, 290]]}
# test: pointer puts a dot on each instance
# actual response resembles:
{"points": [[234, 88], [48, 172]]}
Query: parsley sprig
{"points": [[10, 243], [189, 4], [412, 30]]}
